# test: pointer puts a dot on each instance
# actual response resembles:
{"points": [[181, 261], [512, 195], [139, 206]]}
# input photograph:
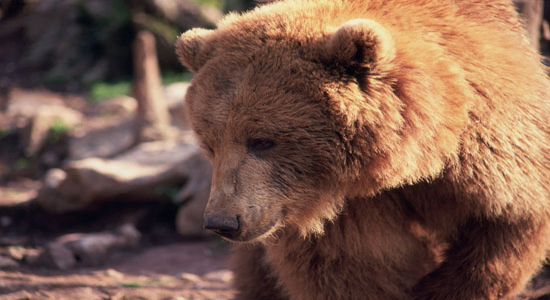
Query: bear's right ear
{"points": [[192, 48], [360, 46]]}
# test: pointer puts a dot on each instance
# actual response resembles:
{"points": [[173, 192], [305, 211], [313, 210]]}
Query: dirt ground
{"points": [[162, 266], [185, 270]]}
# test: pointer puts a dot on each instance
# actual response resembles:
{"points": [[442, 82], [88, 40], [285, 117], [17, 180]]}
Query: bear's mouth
{"points": [[229, 232], [259, 233], [239, 230]]}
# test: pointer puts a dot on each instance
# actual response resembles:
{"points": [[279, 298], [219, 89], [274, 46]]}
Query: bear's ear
{"points": [[360, 46], [192, 48]]}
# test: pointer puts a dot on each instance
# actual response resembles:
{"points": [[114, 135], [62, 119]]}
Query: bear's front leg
{"points": [[253, 277], [487, 260]]}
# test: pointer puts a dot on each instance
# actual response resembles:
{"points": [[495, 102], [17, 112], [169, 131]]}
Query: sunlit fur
{"points": [[411, 147]]}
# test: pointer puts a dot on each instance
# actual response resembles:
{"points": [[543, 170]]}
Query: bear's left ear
{"points": [[193, 49], [360, 46]]}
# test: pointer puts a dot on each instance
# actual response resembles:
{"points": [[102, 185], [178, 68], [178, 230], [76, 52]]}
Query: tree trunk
{"points": [[153, 118], [531, 13]]}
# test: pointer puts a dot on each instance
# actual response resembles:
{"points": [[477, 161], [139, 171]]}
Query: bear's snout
{"points": [[228, 227]]}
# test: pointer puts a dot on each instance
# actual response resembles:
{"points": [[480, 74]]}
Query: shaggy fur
{"points": [[394, 149]]}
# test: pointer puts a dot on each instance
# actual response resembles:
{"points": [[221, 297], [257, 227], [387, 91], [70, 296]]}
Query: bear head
{"points": [[296, 115]]}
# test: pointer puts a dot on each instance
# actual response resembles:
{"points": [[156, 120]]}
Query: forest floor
{"points": [[162, 266]]}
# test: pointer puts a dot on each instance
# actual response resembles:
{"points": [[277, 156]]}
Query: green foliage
{"points": [[103, 90], [103, 41], [145, 282], [131, 284], [4, 132], [172, 77], [58, 131], [118, 16], [54, 79], [164, 29], [169, 191], [59, 127], [23, 164], [219, 4]]}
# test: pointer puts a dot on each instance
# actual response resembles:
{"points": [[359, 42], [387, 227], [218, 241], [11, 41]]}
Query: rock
{"points": [[54, 177], [36, 132], [189, 219], [135, 175], [114, 274], [15, 192], [130, 234], [23, 254], [87, 249], [194, 196], [104, 139], [41, 111], [58, 256], [7, 263], [33, 256], [191, 277], [17, 253], [22, 101], [174, 95], [219, 276], [91, 249], [29, 104], [120, 105]]}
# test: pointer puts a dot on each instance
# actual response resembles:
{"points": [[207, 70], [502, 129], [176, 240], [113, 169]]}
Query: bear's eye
{"points": [[208, 149], [259, 145]]}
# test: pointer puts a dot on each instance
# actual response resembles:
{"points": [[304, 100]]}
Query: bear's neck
{"points": [[385, 228]]}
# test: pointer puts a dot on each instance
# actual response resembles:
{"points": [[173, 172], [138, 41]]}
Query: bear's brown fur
{"points": [[375, 149]]}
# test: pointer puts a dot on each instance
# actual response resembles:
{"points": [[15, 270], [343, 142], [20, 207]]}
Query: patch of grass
{"points": [[103, 90], [133, 284], [58, 130], [59, 127], [23, 164], [144, 282], [54, 79], [165, 30], [172, 77], [219, 4]]}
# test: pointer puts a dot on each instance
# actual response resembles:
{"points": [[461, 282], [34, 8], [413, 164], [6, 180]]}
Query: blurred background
{"points": [[74, 45], [102, 185]]}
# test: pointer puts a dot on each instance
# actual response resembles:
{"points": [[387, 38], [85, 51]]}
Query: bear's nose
{"points": [[228, 227]]}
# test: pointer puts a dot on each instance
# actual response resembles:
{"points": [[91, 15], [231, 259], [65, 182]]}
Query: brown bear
{"points": [[374, 149]]}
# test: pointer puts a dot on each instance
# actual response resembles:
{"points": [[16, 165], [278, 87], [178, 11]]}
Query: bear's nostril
{"points": [[227, 227]]}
